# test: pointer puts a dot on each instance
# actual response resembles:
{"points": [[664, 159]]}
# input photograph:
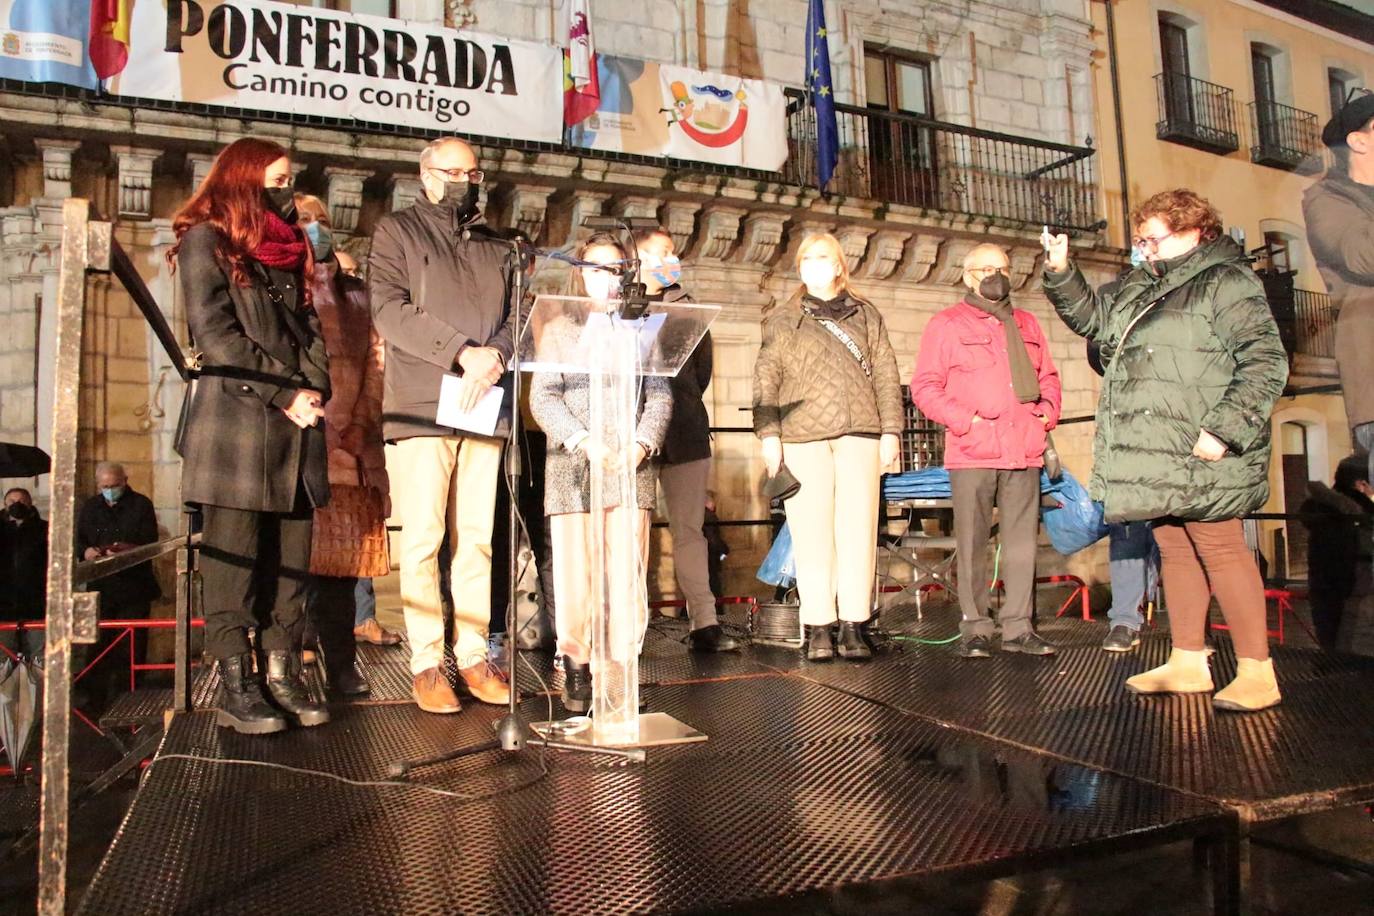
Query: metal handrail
{"points": [[128, 275], [90, 570]]}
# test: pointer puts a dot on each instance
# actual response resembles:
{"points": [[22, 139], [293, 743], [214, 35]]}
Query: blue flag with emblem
{"points": [[821, 94]]}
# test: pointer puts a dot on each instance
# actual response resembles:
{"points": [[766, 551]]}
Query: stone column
{"points": [[344, 198], [57, 166]]}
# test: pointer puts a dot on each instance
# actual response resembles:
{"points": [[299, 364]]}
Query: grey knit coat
{"points": [[561, 405]]}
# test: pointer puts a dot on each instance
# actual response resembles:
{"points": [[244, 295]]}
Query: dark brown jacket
{"points": [[1340, 228], [239, 450], [437, 286], [809, 387]]}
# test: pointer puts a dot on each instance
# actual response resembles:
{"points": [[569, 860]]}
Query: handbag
{"points": [[349, 538]]}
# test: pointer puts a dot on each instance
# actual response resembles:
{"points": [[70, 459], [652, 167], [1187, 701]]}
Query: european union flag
{"points": [[818, 85]]}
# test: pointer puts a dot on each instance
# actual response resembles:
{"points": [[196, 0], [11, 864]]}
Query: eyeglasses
{"points": [[1145, 243], [989, 271], [461, 176]]}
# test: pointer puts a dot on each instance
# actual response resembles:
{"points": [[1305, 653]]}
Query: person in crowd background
{"points": [[984, 370], [1340, 545], [23, 570], [440, 288], [1194, 365], [338, 605], [1133, 564], [828, 406], [561, 404], [253, 451], [685, 464], [1339, 213], [114, 520]]}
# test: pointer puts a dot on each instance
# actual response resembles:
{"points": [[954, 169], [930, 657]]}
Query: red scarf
{"points": [[282, 245]]}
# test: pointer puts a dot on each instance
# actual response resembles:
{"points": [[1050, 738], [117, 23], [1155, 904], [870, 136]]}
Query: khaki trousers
{"points": [[572, 576], [834, 524], [684, 489], [445, 484]]}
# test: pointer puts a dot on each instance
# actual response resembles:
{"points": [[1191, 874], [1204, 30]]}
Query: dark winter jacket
{"points": [[23, 568], [809, 387], [1197, 349], [1340, 539], [238, 449], [1340, 228], [963, 369], [437, 286], [130, 521], [689, 432]]}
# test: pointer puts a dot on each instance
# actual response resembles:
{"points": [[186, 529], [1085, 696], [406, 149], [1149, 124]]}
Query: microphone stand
{"points": [[513, 732]]}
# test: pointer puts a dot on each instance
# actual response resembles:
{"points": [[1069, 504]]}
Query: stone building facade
{"points": [[1004, 67]]}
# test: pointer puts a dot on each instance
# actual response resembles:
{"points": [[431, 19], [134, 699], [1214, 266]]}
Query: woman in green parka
{"points": [[1194, 365]]}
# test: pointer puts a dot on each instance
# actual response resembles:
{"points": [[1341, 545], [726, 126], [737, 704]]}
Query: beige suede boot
{"points": [[1184, 672], [1254, 687]]}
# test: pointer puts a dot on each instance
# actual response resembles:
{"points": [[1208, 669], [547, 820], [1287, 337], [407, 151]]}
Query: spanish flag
{"points": [[109, 36]]}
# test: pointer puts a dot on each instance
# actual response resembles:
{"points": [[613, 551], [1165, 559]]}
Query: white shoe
{"points": [[1185, 672], [1254, 688]]}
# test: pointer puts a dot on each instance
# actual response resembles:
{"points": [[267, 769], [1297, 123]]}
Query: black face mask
{"points": [[20, 511], [281, 201], [461, 198], [995, 287]]}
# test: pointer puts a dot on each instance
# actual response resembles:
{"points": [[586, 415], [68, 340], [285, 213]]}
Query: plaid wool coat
{"points": [[239, 450]]}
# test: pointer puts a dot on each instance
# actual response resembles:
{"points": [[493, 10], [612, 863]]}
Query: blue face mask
{"points": [[321, 239], [665, 272], [112, 494], [1137, 256]]}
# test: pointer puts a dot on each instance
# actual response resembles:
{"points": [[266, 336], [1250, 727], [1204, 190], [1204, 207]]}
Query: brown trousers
{"points": [[1200, 559]]}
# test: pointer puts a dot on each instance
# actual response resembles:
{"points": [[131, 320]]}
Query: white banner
{"points": [[662, 110], [258, 54]]}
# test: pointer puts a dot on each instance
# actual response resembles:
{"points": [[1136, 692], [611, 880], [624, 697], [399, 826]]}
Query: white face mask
{"points": [[818, 274], [601, 285]]}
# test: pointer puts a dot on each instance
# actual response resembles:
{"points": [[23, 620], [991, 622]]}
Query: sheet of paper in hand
{"points": [[480, 420]]}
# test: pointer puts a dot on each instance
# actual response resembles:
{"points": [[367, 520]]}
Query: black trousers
{"points": [[254, 569], [331, 602], [1016, 494]]}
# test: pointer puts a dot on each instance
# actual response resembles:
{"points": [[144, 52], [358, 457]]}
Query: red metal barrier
{"points": [[1283, 601]]}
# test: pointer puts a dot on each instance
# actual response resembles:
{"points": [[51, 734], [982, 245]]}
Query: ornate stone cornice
{"points": [[636, 206], [925, 252], [135, 175], [720, 229], [950, 269], [526, 207], [680, 219], [854, 243], [886, 249], [200, 167], [1023, 260], [404, 190], [57, 166], [762, 237], [344, 196]]}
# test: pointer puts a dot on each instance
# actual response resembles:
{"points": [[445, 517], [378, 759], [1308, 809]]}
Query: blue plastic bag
{"points": [[1077, 522], [779, 568]]}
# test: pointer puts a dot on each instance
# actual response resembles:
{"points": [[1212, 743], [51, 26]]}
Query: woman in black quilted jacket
{"points": [[828, 405]]}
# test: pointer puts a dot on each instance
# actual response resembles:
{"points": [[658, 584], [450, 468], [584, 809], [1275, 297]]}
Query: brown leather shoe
{"points": [[372, 631], [486, 682], [432, 693]]}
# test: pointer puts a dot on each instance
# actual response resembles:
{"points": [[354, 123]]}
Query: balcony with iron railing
{"points": [[1282, 136], [933, 165], [1196, 113], [1314, 324]]}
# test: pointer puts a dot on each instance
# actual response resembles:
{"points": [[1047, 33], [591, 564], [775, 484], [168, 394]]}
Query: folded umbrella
{"points": [[20, 686]]}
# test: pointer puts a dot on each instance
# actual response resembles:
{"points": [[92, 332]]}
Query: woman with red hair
{"points": [[253, 447]]}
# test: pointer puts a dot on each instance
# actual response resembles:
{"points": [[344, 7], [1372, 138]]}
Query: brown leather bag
{"points": [[349, 538]]}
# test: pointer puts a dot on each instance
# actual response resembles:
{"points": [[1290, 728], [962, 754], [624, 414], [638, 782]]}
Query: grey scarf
{"points": [[1024, 380]]}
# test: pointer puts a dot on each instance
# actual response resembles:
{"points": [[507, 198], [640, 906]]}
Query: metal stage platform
{"points": [[816, 779]]}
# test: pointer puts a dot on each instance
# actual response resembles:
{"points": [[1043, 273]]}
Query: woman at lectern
{"points": [[561, 404], [252, 441], [828, 409]]}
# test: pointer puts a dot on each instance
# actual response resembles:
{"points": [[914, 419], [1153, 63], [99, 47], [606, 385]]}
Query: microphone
{"points": [[616, 222]]}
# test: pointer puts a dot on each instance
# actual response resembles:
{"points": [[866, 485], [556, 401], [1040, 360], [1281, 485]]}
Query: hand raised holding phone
{"points": [[1056, 250]]}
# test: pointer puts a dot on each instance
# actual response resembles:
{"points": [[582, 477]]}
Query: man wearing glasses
{"points": [[441, 299], [984, 371], [1339, 212]]}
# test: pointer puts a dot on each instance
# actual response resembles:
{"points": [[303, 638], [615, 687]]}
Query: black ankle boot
{"points": [[577, 686], [346, 682], [852, 642], [243, 708], [289, 691], [820, 645]]}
